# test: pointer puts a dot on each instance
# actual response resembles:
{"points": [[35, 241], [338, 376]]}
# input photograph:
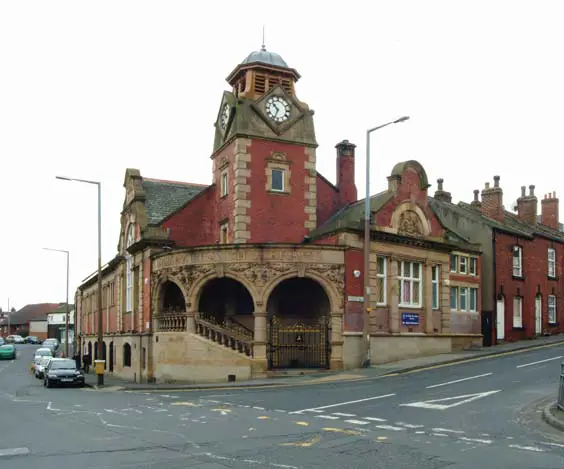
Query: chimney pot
{"points": [[523, 191], [496, 181], [554, 195], [476, 193], [440, 183], [532, 190], [487, 185], [545, 196]]}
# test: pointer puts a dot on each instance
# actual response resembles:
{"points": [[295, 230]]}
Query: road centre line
{"points": [[457, 381], [540, 361], [14, 452], [316, 409]]}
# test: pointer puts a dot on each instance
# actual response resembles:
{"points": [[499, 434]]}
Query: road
{"points": [[483, 413]]}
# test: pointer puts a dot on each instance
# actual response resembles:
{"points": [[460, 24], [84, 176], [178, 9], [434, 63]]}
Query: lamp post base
{"points": [[100, 380]]}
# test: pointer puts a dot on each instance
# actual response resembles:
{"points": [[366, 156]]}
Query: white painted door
{"points": [[538, 315], [500, 323]]}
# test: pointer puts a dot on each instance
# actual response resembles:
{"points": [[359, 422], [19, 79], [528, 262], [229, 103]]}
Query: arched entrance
{"points": [[171, 298], [227, 301], [299, 327]]}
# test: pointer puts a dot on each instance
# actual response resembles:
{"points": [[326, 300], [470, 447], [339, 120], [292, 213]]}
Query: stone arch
{"points": [[157, 295], [400, 168], [335, 298], [410, 210], [198, 286]]}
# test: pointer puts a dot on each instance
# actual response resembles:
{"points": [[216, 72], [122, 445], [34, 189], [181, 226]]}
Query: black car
{"points": [[31, 339], [61, 371]]}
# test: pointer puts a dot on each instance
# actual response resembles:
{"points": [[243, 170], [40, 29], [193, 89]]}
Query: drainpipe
{"points": [[494, 294]]}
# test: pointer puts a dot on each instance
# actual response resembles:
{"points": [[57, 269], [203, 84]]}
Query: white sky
{"points": [[88, 89]]}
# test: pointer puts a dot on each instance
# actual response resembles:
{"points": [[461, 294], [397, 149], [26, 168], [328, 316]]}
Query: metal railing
{"points": [[561, 390]]}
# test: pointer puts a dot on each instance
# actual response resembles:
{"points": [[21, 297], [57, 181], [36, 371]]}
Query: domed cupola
{"points": [[261, 71]]}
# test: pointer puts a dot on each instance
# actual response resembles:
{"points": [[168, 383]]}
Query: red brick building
{"points": [[262, 269]]}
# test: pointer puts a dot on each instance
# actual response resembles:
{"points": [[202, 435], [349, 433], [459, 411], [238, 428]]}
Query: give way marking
{"points": [[435, 404]]}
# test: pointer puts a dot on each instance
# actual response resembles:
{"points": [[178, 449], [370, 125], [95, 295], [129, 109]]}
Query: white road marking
{"points": [[540, 361], [374, 419], [457, 381], [475, 440], [528, 448], [343, 415], [329, 417], [389, 427], [439, 434], [409, 425], [315, 409], [14, 451], [280, 410], [434, 403], [357, 422], [257, 408], [446, 430], [552, 444]]}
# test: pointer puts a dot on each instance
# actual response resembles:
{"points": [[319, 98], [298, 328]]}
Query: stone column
{"points": [[336, 360], [260, 342], [394, 317], [190, 320], [444, 298], [427, 292]]}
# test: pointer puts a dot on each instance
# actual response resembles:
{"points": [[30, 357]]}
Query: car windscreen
{"points": [[43, 353], [6, 347], [63, 365]]}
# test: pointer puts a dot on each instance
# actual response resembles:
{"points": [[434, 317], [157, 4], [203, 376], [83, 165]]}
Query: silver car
{"points": [[40, 366]]}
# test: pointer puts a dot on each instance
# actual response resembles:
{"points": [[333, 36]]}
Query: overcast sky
{"points": [[88, 89]]}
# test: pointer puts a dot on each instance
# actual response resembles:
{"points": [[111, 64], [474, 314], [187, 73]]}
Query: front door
{"points": [[500, 319], [538, 315]]}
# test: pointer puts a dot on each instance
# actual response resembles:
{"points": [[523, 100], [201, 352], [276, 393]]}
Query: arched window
{"points": [[129, 271], [126, 355]]}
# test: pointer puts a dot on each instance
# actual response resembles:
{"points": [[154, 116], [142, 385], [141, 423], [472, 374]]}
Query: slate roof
{"points": [[165, 197], [29, 312]]}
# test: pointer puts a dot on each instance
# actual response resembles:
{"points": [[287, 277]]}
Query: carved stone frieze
{"points": [[410, 224], [335, 273], [259, 275], [186, 275]]}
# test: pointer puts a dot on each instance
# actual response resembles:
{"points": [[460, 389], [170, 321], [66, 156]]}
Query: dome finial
{"points": [[263, 47]]}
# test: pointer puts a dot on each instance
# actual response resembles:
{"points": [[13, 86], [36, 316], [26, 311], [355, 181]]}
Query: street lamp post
{"points": [[67, 300], [367, 309], [99, 371]]}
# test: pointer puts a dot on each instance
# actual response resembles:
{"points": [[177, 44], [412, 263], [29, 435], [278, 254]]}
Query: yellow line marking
{"points": [[304, 444], [302, 424], [342, 430], [263, 417], [381, 438], [368, 378]]}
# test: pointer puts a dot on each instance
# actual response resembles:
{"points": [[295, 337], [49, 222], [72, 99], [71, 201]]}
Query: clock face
{"points": [[225, 116], [277, 109]]}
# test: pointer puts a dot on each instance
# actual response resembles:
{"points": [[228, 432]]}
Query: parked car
{"points": [[2, 341], [54, 343], [7, 352], [31, 339], [61, 371], [40, 353], [40, 367], [15, 339]]}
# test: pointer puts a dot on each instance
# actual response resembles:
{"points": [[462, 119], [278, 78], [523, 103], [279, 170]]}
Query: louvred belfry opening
{"points": [[261, 71]]}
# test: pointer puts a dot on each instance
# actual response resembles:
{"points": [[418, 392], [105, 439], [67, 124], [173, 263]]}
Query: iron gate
{"points": [[299, 345]]}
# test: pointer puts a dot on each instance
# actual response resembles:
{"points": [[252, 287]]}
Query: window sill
{"points": [[518, 328], [272, 191], [518, 277], [411, 306], [224, 196], [552, 277], [552, 323]]}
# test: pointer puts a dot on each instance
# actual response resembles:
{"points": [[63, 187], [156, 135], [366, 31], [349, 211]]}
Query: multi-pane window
{"points": [[453, 263], [277, 183], [473, 266], [129, 272], [517, 261], [551, 309], [223, 233], [463, 301], [380, 280], [409, 283], [473, 300], [517, 311], [454, 298], [551, 262], [463, 265], [224, 184], [435, 283]]}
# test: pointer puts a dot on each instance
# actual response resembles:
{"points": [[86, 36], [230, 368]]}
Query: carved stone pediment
{"points": [[410, 224]]}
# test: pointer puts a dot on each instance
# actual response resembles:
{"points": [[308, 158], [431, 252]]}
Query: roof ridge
{"points": [[168, 181]]}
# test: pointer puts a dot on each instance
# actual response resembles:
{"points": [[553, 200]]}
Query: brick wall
{"points": [[535, 279], [354, 310]]}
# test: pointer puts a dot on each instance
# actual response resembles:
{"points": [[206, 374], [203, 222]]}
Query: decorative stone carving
{"points": [[410, 224], [186, 275], [335, 273], [260, 275], [278, 155]]}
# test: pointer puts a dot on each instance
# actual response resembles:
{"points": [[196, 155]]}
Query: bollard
{"points": [[561, 390]]}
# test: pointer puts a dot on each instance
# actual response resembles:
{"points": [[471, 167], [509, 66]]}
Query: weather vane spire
{"points": [[263, 47]]}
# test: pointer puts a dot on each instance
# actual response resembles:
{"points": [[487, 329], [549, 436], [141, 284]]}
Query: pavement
{"points": [[480, 412], [306, 377]]}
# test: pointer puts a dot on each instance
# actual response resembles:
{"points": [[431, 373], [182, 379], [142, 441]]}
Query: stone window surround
{"points": [[278, 161], [224, 183], [224, 231]]}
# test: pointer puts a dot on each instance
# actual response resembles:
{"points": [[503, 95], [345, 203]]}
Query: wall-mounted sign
{"points": [[410, 319], [356, 299]]}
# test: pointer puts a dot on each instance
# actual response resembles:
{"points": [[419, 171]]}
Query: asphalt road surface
{"points": [[483, 413]]}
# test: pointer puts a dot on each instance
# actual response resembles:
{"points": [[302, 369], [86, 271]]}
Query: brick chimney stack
{"points": [[345, 173], [492, 200], [440, 194], [476, 204], [549, 211], [527, 206]]}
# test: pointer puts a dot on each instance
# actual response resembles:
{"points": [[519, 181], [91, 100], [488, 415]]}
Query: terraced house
{"points": [[262, 269]]}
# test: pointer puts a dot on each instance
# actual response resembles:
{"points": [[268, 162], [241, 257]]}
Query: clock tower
{"points": [[264, 155]]}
